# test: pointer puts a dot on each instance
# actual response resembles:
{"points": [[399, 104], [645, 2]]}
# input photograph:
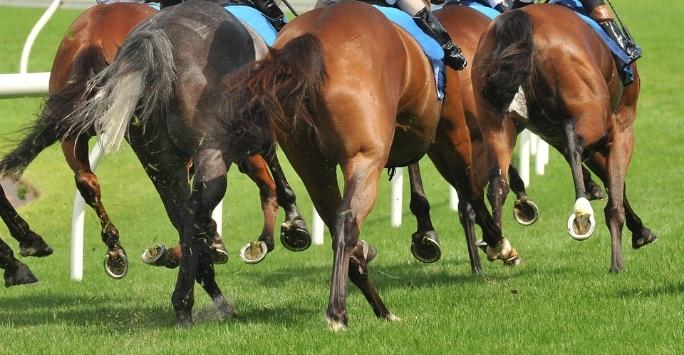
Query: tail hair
{"points": [[140, 80], [282, 90], [510, 64], [44, 131]]}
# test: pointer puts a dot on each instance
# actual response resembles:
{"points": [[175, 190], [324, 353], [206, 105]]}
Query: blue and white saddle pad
{"points": [[432, 49], [620, 56], [255, 20], [154, 5]]}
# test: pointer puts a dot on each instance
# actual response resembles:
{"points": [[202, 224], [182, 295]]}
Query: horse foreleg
{"points": [[76, 154], [16, 272], [30, 243], [581, 222], [525, 211], [424, 242], [294, 235]]}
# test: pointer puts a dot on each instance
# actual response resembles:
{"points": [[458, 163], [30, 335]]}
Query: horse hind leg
{"points": [[424, 242], [525, 211], [76, 154], [294, 234], [581, 223], [16, 272]]}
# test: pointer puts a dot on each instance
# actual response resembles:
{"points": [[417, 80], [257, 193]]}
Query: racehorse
{"points": [[575, 100], [30, 244], [467, 25], [89, 46], [344, 86], [171, 71]]}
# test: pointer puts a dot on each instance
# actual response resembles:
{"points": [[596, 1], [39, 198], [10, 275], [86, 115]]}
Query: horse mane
{"points": [[510, 64]]}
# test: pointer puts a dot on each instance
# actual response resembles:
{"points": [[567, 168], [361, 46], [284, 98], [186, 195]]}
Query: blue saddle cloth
{"points": [[620, 56], [255, 20], [154, 5], [432, 49]]}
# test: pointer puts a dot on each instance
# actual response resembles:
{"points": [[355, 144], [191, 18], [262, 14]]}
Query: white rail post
{"points": [[28, 45], [396, 203], [542, 157], [453, 198], [524, 158], [317, 227]]}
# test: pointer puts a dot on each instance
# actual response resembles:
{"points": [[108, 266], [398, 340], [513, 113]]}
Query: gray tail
{"points": [[510, 64], [139, 81], [43, 132]]}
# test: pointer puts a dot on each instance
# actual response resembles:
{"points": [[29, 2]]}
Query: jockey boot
{"points": [[427, 22], [602, 15], [521, 3], [503, 6], [272, 12]]}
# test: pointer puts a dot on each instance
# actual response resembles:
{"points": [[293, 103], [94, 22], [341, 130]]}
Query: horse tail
{"points": [[140, 80], [510, 64], [43, 132], [283, 88]]}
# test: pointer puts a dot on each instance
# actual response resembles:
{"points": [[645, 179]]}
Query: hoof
{"points": [[253, 252], [581, 222], [224, 308], [581, 227], [219, 254], [294, 236], [35, 247], [425, 247], [158, 256], [184, 322], [336, 326], [525, 212], [116, 263], [644, 238], [369, 253], [504, 252], [22, 275], [391, 318]]}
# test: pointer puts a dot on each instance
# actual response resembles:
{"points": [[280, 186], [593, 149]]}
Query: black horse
{"points": [[180, 58]]}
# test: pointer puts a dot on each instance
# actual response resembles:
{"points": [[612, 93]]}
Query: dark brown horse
{"points": [[344, 86], [575, 100], [89, 46]]}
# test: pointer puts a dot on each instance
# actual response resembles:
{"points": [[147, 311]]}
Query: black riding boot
{"points": [[429, 23], [626, 44], [503, 6], [272, 12], [521, 3]]}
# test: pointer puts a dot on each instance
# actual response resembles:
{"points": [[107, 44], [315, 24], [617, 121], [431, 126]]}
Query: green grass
{"points": [[561, 300]]}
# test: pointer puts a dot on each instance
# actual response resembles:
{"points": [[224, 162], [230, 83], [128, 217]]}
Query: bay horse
{"points": [[30, 244], [171, 71], [467, 25], [344, 86], [89, 46], [575, 101]]}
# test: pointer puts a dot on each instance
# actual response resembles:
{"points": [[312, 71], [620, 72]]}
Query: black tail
{"points": [[44, 131], [283, 88], [510, 64]]}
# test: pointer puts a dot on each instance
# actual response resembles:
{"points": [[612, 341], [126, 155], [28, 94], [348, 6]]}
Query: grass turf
{"points": [[561, 300]]}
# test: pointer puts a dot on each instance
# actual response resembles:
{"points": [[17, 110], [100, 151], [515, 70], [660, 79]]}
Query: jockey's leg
{"points": [[428, 22], [500, 5], [599, 12], [520, 3], [272, 12]]}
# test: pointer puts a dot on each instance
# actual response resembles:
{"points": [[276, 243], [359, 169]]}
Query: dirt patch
{"points": [[18, 191]]}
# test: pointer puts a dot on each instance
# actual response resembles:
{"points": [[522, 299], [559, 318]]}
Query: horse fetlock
{"points": [[34, 246], [336, 323], [219, 253], [643, 237], [159, 255]]}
